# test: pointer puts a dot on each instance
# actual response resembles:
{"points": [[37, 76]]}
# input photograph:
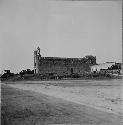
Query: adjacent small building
{"points": [[108, 67], [98, 67]]}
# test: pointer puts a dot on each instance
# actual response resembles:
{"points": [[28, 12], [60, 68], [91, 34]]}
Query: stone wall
{"points": [[62, 66]]}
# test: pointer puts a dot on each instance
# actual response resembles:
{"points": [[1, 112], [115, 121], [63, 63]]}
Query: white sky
{"points": [[59, 28]]}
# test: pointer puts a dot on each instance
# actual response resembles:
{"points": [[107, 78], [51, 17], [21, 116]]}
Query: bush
{"points": [[6, 76], [75, 75]]}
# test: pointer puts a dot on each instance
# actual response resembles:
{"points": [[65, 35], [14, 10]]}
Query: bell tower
{"points": [[37, 57]]}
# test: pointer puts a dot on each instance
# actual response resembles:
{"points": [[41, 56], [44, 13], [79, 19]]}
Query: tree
{"points": [[7, 74], [28, 71]]}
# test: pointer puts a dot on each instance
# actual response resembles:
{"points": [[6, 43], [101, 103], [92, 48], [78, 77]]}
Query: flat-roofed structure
{"points": [[62, 66]]}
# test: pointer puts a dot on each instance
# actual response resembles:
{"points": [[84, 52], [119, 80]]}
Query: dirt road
{"points": [[103, 95], [20, 107]]}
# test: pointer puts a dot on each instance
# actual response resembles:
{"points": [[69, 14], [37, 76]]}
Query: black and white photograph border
{"points": [[61, 62]]}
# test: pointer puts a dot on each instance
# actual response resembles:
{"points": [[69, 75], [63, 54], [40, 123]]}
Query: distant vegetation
{"points": [[29, 75], [28, 71], [8, 75]]}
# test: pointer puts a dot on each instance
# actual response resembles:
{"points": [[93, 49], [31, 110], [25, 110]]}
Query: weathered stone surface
{"points": [[62, 66]]}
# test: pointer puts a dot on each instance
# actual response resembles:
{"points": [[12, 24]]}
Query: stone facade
{"points": [[62, 66]]}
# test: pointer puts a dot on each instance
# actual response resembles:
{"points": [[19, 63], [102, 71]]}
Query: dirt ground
{"points": [[61, 102], [104, 95]]}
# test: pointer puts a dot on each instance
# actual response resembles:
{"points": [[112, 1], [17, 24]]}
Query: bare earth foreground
{"points": [[62, 102]]}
